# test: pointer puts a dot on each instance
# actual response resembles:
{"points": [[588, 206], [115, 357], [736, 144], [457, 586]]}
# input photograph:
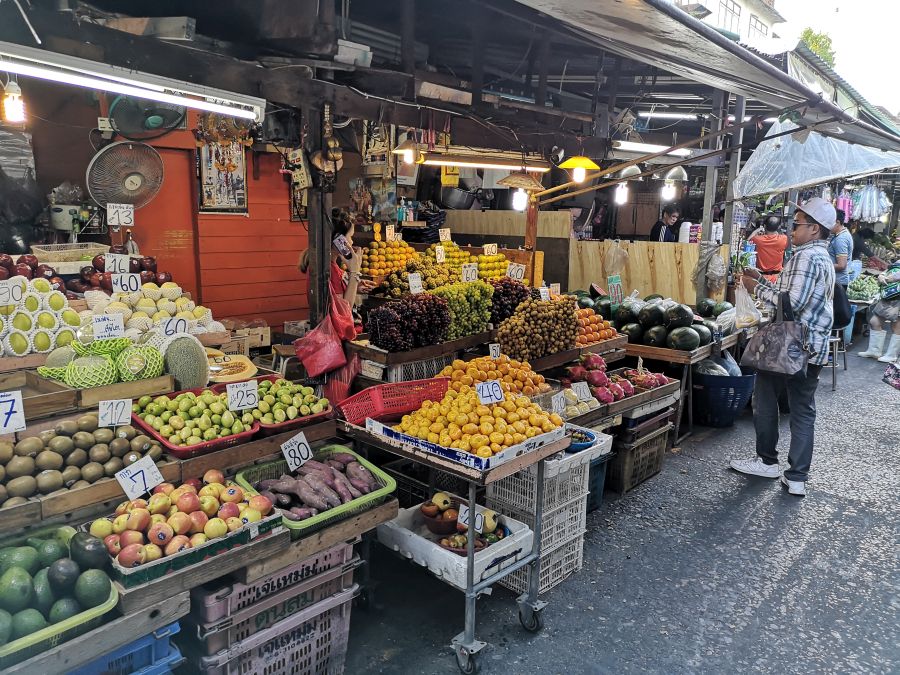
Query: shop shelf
{"points": [[412, 482], [557, 565], [636, 462], [144, 653], [637, 428]]}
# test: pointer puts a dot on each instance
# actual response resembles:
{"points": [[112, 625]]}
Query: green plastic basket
{"points": [[301, 528], [57, 633]]}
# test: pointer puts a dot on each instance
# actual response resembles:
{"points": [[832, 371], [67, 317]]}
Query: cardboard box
{"points": [[259, 337], [236, 345]]}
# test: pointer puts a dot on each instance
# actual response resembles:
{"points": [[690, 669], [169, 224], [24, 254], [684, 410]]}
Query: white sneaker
{"points": [[795, 487], [756, 467]]}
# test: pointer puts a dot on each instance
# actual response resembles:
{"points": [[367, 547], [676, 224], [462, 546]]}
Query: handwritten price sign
{"points": [[558, 403], [444, 234], [516, 271], [108, 326], [490, 392], [490, 249], [616, 292], [463, 518], [242, 395], [126, 283], [117, 263], [120, 215], [470, 272], [494, 349], [582, 391], [11, 292], [115, 413], [172, 327], [439, 254], [415, 283], [139, 478], [12, 412], [296, 451]]}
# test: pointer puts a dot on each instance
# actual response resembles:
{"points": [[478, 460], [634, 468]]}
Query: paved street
{"points": [[699, 570]]}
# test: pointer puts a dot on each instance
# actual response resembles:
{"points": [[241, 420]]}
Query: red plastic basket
{"points": [[386, 401]]}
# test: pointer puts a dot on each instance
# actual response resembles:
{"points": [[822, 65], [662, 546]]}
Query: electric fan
{"points": [[125, 173]]}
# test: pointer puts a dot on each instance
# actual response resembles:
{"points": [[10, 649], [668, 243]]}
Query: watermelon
{"points": [[683, 338], [633, 331], [722, 307], [654, 296], [705, 307], [711, 325], [679, 316], [584, 302], [625, 314], [603, 307], [596, 291], [704, 332], [651, 315], [656, 336]]}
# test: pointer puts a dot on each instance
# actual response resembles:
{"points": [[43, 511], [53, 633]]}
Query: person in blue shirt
{"points": [[840, 248], [664, 229]]}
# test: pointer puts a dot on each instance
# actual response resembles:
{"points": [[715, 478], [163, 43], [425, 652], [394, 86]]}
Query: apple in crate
{"points": [[209, 505], [179, 543], [138, 519], [112, 544], [211, 490], [158, 518], [137, 504], [120, 524], [215, 528], [228, 510], [152, 552], [132, 556], [232, 494], [180, 522], [101, 528], [249, 515], [198, 521], [188, 502], [234, 524], [194, 483], [213, 476], [261, 503], [161, 534], [198, 539], [122, 508], [163, 488], [159, 503], [129, 537]]}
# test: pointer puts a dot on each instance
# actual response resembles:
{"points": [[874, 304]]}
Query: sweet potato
{"points": [[314, 479], [342, 480], [300, 513], [323, 473], [267, 484], [337, 466], [302, 491], [316, 465], [356, 471], [343, 457], [361, 485]]}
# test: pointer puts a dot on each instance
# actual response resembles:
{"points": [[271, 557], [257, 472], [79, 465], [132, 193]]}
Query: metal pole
{"points": [[712, 172], [734, 165], [319, 212]]}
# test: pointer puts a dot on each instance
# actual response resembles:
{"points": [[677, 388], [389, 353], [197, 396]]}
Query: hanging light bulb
{"points": [[13, 105], [407, 150], [520, 200], [579, 164], [668, 191], [621, 193]]}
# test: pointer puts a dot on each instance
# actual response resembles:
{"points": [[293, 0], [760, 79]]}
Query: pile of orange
{"points": [[515, 376], [383, 257], [592, 327]]}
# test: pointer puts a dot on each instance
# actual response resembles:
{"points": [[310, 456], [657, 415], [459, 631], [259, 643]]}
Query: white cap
{"points": [[819, 210]]}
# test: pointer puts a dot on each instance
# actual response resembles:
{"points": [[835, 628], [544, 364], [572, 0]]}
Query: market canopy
{"points": [[805, 158], [659, 33]]}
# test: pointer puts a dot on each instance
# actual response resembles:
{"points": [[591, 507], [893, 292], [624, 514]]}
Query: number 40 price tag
{"points": [[242, 395], [296, 451], [115, 413], [140, 477], [12, 412], [490, 392]]}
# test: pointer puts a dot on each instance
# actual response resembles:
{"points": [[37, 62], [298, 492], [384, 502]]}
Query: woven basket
{"points": [[57, 253]]}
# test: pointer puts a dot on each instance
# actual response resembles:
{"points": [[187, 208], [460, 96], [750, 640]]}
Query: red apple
{"points": [[178, 543], [99, 263], [148, 277], [159, 503], [249, 515], [27, 259], [231, 494], [24, 271], [4, 273], [148, 263], [132, 556], [261, 503], [209, 505], [215, 528], [198, 539], [211, 490], [180, 522], [120, 523], [137, 504], [198, 522], [86, 273], [95, 279], [7, 262], [165, 488], [188, 502], [228, 510], [163, 277], [118, 248], [234, 523], [138, 519], [134, 265], [44, 271], [122, 508], [160, 534], [112, 543], [57, 284], [152, 552], [213, 476], [194, 483], [77, 286], [129, 537], [157, 518]]}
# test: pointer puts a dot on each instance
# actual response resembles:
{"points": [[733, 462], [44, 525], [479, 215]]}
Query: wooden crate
{"points": [[31, 361], [41, 397], [89, 398]]}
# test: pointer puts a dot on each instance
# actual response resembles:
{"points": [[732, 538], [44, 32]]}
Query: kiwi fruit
{"points": [[113, 466], [14, 501], [87, 423], [104, 435], [29, 447], [126, 431], [120, 447], [99, 453], [6, 452], [49, 481], [71, 474], [83, 440], [23, 486], [79, 484], [49, 460], [47, 436], [131, 458], [140, 444], [156, 452], [66, 428], [77, 457], [20, 466], [92, 472], [4, 495], [61, 445], [2, 473]]}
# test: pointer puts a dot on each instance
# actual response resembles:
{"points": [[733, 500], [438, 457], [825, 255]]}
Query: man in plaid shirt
{"points": [[808, 278]]}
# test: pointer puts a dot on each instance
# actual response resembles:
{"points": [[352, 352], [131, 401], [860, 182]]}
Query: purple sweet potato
{"points": [[314, 479], [342, 480], [267, 484], [300, 513], [356, 471], [337, 466], [324, 473], [361, 485], [302, 491], [342, 457]]}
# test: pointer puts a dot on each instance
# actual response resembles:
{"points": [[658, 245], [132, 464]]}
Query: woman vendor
{"points": [[886, 310]]}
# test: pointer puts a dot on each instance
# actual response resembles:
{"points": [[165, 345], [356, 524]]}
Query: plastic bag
{"points": [[726, 360], [726, 321], [342, 317], [321, 349], [615, 260], [746, 313], [710, 367], [634, 300]]}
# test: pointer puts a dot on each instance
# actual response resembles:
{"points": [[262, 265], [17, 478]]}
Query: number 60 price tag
{"points": [[242, 395], [139, 478], [296, 451]]}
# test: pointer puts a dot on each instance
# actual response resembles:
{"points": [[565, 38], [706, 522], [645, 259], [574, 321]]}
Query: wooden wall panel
{"points": [[508, 223]]}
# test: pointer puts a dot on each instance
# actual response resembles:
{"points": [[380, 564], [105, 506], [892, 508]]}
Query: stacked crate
{"points": [[563, 516], [295, 620]]}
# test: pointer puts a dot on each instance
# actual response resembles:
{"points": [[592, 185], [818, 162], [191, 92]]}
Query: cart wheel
{"points": [[466, 662], [532, 623]]}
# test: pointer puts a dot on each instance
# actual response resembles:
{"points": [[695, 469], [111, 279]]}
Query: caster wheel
{"points": [[466, 662], [533, 623]]}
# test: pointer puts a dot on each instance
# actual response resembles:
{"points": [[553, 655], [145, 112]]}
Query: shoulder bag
{"points": [[778, 347]]}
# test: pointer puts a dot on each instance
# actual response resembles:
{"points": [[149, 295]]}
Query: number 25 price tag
{"points": [[139, 478], [490, 392], [242, 395], [464, 518], [115, 413], [12, 412], [296, 451]]}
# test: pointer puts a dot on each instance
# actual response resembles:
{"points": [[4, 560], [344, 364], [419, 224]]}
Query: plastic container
{"points": [[298, 528], [636, 462], [165, 665], [558, 524], [58, 253], [557, 565], [596, 482], [386, 401], [313, 641], [634, 429], [719, 400], [417, 370], [408, 536], [145, 652]]}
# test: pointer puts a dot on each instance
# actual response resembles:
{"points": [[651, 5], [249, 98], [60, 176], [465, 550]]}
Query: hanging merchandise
{"points": [[870, 203], [845, 204]]}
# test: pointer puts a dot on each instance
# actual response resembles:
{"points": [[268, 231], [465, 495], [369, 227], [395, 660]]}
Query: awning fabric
{"points": [[788, 162], [658, 33]]}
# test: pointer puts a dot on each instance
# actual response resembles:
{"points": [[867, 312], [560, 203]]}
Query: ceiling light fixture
{"points": [[480, 162], [649, 148], [677, 173], [408, 150], [579, 164], [13, 105], [621, 195]]}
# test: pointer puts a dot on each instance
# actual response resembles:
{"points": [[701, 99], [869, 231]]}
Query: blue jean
{"points": [[801, 393], [848, 331]]}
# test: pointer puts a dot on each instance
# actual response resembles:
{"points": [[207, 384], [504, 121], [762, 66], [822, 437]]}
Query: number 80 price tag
{"points": [[296, 451]]}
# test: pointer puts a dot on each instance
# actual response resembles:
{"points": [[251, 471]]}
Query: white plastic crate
{"points": [[407, 535], [557, 525], [557, 565], [653, 406], [565, 478], [417, 370]]}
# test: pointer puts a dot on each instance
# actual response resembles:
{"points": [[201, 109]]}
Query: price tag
{"points": [[126, 283], [120, 215], [115, 413], [490, 249], [108, 326], [545, 293], [415, 283], [582, 391], [444, 234], [490, 392], [515, 271], [242, 395], [139, 478], [558, 403], [11, 292], [12, 412], [463, 518], [398, 236], [296, 451], [439, 254], [469, 272], [389, 233], [554, 289], [171, 327], [494, 349], [117, 263], [615, 290]]}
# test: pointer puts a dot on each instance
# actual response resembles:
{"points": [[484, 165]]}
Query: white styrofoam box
{"points": [[407, 535]]}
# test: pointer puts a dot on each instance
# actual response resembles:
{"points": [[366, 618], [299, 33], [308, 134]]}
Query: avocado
{"points": [[48, 459], [5, 626], [119, 447], [27, 622], [92, 588], [100, 453], [20, 466], [50, 550], [29, 447], [25, 557], [104, 435], [92, 472], [88, 551], [87, 423], [16, 591], [64, 608], [83, 440], [49, 481], [43, 594], [61, 445], [62, 575], [66, 428], [77, 457], [6, 452]]}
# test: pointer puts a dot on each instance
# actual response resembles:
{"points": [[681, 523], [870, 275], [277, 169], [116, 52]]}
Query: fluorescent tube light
{"points": [[474, 162], [649, 148]]}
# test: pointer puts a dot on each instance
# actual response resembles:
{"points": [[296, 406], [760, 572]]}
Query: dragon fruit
{"points": [[596, 378], [577, 373], [603, 395], [626, 386], [616, 391], [593, 362]]}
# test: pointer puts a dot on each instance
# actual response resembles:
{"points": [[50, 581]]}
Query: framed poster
{"points": [[223, 177], [298, 202]]}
